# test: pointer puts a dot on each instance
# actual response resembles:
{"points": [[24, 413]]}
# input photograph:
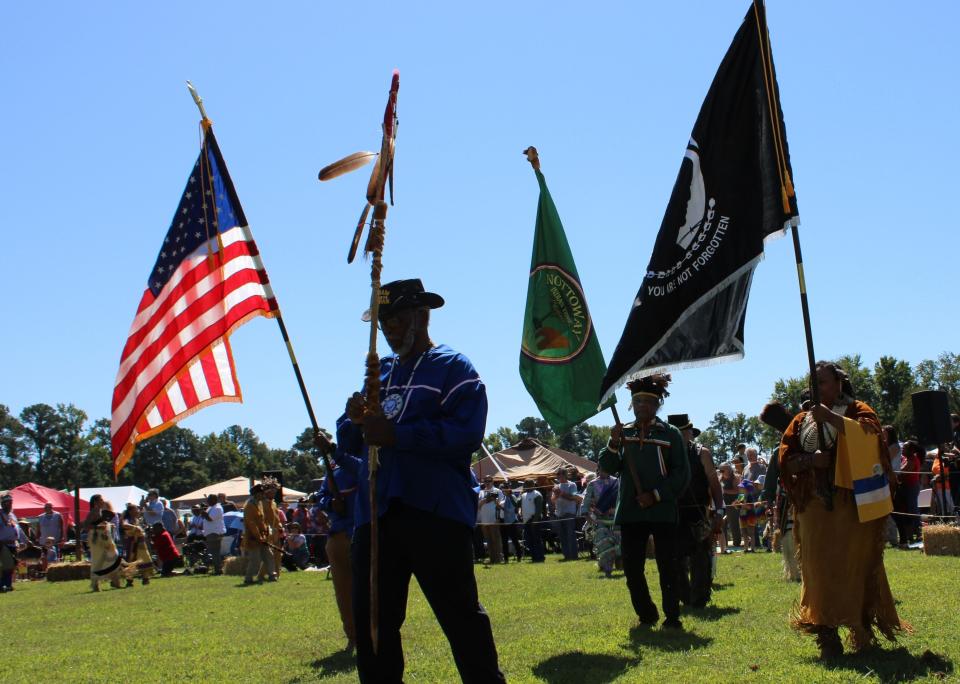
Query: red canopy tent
{"points": [[29, 498]]}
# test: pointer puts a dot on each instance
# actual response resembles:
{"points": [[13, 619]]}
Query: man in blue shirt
{"points": [[509, 529], [428, 420], [566, 501], [152, 509]]}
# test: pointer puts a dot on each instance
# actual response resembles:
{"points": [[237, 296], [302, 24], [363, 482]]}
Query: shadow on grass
{"points": [[720, 586], [712, 613], [666, 640], [335, 663], [898, 665], [583, 668]]}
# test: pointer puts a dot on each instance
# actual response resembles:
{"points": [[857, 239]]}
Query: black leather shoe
{"points": [[649, 616]]}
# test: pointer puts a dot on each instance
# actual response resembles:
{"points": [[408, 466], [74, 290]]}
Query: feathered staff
{"points": [[381, 176]]}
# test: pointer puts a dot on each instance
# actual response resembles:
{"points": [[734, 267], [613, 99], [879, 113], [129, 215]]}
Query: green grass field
{"points": [[556, 622]]}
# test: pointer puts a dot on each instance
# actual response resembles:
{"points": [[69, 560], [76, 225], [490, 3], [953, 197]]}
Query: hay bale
{"points": [[941, 540], [235, 565], [64, 572]]}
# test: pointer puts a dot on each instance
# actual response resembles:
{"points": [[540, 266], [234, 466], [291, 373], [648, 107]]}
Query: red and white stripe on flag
{"points": [[209, 378], [177, 358]]}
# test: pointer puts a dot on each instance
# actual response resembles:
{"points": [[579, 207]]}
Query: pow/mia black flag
{"points": [[734, 190]]}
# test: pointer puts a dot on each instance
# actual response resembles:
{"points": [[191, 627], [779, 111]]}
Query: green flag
{"points": [[560, 358]]}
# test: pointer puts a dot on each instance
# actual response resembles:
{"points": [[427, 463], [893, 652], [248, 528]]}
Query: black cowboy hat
{"points": [[404, 294], [682, 421]]}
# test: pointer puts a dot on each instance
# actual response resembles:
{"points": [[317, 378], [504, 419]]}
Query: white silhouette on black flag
{"points": [[732, 193]]}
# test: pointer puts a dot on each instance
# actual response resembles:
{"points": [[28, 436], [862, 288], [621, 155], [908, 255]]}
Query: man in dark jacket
{"points": [[697, 522]]}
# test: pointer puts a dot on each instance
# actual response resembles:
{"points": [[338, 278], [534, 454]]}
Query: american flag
{"points": [[208, 279]]}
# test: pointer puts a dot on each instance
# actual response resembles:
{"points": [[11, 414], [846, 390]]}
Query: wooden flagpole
{"points": [[76, 522], [786, 183], [320, 441], [787, 192]]}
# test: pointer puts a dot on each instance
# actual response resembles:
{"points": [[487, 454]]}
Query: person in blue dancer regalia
{"points": [[434, 410]]}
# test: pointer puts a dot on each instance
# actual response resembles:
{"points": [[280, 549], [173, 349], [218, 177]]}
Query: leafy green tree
{"points": [[732, 430], [503, 438], [789, 392], [67, 464], [768, 440], [172, 461], [538, 429], [222, 457], [903, 420], [40, 425], [711, 440], [942, 373], [304, 442], [861, 378], [15, 466], [894, 379], [301, 464], [255, 453], [599, 436], [97, 453], [577, 440], [299, 468]]}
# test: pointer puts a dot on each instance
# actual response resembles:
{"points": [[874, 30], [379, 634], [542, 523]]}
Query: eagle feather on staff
{"points": [[380, 176]]}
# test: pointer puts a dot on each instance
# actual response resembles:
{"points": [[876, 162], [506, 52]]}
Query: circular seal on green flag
{"points": [[557, 326]]}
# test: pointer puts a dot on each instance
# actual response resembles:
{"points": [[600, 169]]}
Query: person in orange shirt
{"points": [[255, 536], [941, 501], [275, 519]]}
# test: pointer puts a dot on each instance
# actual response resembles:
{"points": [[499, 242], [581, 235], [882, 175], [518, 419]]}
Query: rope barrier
{"points": [[532, 522], [926, 516]]}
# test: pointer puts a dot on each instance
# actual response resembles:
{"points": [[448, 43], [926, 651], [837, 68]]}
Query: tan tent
{"points": [[530, 460], [236, 489]]}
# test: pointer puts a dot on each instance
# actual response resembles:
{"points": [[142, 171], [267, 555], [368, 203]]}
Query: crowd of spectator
{"points": [[515, 519]]}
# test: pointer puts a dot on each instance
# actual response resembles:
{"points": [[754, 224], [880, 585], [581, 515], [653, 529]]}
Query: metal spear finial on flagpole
{"points": [[197, 100]]}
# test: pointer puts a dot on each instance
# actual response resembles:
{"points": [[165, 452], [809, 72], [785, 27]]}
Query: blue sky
{"points": [[100, 133]]}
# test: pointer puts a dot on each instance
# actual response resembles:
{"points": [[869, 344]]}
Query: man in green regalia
{"points": [[650, 457]]}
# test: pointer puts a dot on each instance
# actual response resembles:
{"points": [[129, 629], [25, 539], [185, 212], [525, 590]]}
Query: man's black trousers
{"points": [[633, 543], [439, 553], [694, 565]]}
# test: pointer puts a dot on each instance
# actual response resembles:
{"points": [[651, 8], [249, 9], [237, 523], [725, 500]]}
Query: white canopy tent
{"points": [[236, 489], [118, 497]]}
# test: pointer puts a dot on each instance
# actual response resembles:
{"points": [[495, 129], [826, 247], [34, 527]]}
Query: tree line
{"points": [[886, 387], [58, 447]]}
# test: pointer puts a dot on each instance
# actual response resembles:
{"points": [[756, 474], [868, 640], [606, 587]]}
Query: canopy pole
{"points": [[76, 522]]}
